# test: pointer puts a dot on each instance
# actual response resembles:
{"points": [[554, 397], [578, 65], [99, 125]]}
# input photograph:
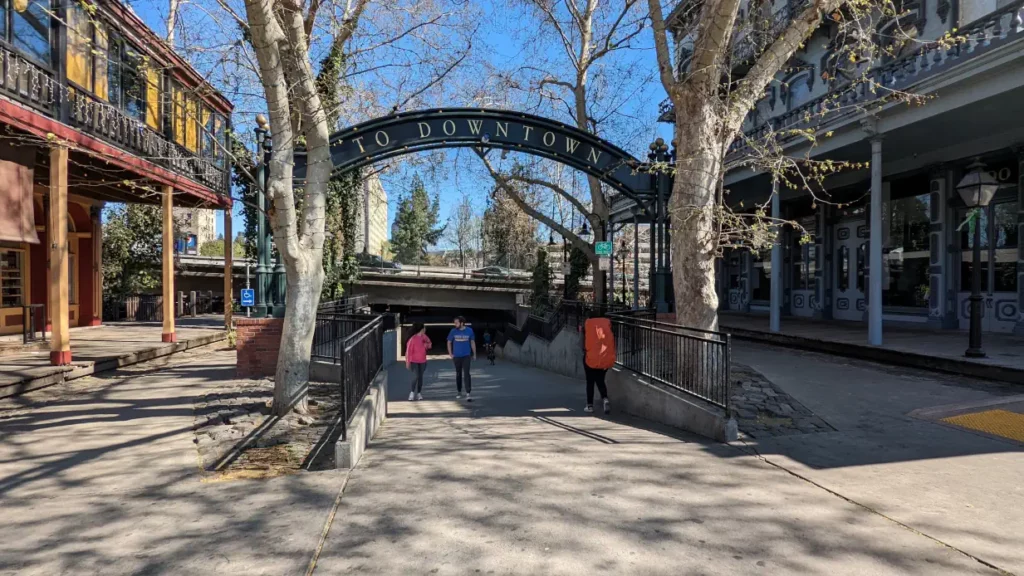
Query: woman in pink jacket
{"points": [[416, 359]]}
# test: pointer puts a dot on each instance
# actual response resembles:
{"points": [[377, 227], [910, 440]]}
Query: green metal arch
{"points": [[417, 131]]}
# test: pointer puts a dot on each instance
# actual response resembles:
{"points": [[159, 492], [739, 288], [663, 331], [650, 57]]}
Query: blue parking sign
{"points": [[248, 297]]}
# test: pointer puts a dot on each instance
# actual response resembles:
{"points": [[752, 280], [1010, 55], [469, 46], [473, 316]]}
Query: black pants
{"points": [[462, 367], [417, 376], [595, 376]]}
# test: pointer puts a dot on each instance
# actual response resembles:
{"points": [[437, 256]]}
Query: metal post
{"points": [[261, 223], [775, 313], [636, 263], [247, 308], [875, 246], [610, 234], [974, 349]]}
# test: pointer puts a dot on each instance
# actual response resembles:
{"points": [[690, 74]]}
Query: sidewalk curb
{"points": [[884, 355], [75, 370]]}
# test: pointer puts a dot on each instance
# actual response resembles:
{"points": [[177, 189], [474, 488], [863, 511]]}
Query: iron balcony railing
{"points": [[695, 362], [996, 29], [36, 87]]}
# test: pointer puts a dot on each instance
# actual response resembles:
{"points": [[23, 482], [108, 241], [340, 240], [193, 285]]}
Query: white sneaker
{"points": [[458, 396], [607, 406], [589, 409], [412, 396], [419, 396], [469, 397]]}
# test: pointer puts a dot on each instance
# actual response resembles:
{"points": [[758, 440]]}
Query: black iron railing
{"points": [[347, 305], [136, 308], [33, 323], [331, 332], [695, 362]]}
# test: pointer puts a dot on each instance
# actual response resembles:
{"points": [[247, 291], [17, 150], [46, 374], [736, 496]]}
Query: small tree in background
{"points": [[542, 281], [415, 224], [132, 245], [579, 265]]}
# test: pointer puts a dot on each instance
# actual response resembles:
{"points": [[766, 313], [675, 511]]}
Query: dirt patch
{"points": [[238, 438]]}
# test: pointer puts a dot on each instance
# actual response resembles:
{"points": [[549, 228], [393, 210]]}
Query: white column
{"points": [[875, 246], [775, 312]]}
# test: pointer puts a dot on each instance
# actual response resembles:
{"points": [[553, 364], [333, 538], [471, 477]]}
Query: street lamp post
{"points": [[976, 189], [262, 174]]}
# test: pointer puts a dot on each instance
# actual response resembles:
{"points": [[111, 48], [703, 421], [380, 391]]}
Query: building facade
{"points": [[198, 222], [372, 219], [94, 108], [908, 216]]}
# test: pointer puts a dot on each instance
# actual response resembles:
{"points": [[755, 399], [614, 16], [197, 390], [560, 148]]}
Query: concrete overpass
{"points": [[443, 290]]}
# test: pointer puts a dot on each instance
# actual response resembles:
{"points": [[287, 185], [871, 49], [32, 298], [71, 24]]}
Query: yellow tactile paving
{"points": [[996, 422]]}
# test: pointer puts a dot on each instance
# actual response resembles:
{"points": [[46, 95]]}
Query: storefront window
{"points": [[967, 250], [762, 288], [12, 278], [804, 257], [844, 269], [1004, 219], [31, 31], [905, 276]]}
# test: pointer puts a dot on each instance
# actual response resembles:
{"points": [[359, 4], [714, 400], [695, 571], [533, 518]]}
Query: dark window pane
{"points": [[906, 255], [1004, 219], [31, 31], [844, 268], [967, 250], [762, 288], [861, 261], [114, 84], [3, 20], [133, 83]]}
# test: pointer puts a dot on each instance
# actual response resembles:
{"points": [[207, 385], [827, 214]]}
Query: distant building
{"points": [[200, 222], [372, 217]]}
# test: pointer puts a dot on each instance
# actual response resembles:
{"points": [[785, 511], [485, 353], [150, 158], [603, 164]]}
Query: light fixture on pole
{"points": [[585, 234], [976, 189]]}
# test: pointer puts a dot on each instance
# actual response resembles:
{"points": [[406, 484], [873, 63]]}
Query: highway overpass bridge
{"points": [[450, 288]]}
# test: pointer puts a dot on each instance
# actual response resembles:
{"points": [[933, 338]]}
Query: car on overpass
{"points": [[499, 272], [374, 263]]}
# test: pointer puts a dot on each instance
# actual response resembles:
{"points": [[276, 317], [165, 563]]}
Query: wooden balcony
{"points": [[38, 88]]}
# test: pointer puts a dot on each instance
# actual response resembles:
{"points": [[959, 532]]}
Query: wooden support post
{"points": [[167, 256], [229, 268], [60, 338], [97, 263]]}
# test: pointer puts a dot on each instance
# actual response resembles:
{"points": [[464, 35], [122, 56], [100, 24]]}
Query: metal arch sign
{"points": [[410, 132]]}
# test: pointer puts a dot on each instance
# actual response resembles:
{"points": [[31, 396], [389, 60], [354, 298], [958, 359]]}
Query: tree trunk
{"points": [[305, 281], [692, 208]]}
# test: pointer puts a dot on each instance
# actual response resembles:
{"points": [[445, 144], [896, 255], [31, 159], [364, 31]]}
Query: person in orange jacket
{"points": [[598, 357]]}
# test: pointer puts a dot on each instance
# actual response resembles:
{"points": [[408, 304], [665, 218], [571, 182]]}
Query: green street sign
{"points": [[603, 248]]}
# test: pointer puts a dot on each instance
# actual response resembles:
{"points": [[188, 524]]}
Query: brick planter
{"points": [[257, 342]]}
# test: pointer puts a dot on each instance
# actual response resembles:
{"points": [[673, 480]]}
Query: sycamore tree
{"points": [[312, 66], [727, 54], [580, 64]]}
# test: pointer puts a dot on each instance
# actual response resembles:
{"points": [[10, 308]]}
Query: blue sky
{"points": [[504, 41]]}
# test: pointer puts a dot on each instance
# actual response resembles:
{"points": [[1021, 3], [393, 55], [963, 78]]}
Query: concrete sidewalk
{"points": [[961, 487], [522, 482], [99, 348], [923, 348], [102, 477]]}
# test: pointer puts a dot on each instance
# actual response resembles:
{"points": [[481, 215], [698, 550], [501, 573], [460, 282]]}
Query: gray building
{"points": [[973, 120]]}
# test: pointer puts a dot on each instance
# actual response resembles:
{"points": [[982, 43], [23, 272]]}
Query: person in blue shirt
{"points": [[462, 347]]}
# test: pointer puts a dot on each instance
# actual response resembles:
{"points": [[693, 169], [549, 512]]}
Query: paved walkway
{"points": [[103, 347], [102, 478], [1004, 351], [961, 487], [522, 482]]}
